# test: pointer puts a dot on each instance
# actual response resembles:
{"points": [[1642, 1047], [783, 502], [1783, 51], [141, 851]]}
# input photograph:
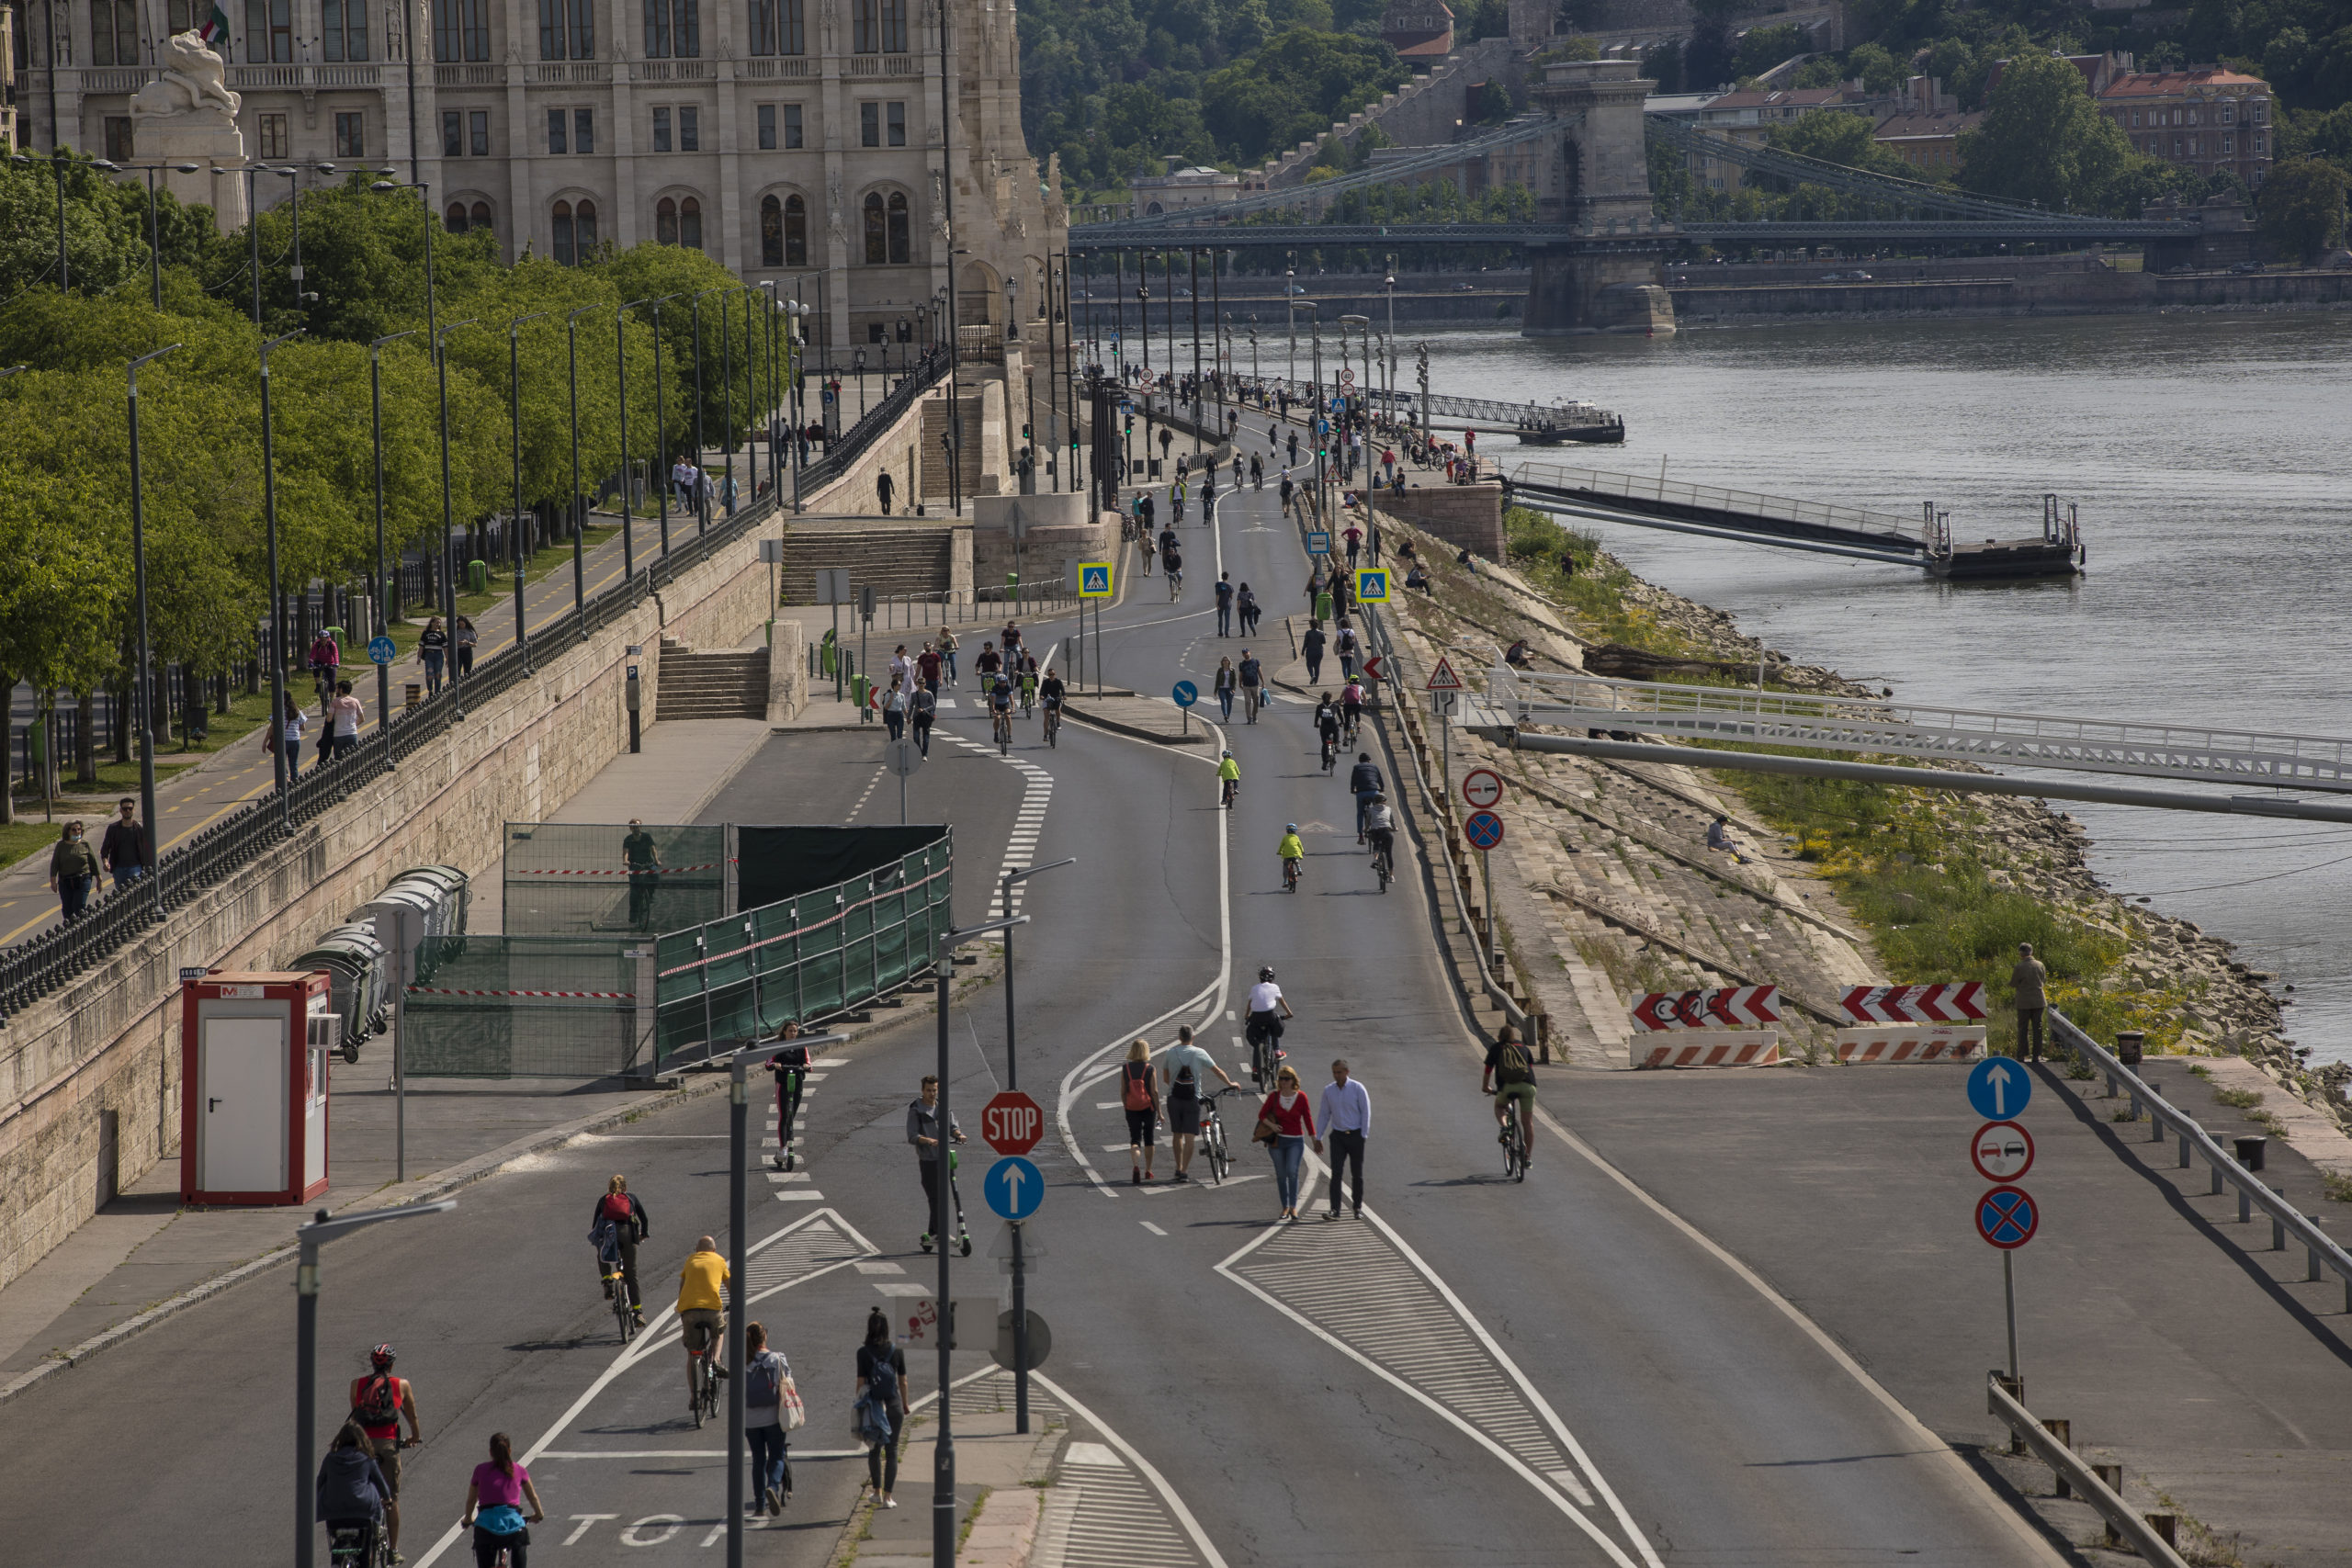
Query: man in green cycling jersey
{"points": [[1510, 1075]]}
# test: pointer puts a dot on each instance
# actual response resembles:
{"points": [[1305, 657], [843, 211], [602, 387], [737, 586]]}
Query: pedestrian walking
{"points": [[901, 669], [1346, 1114], [2026, 979], [433, 647], [1185, 1070], [344, 715], [1225, 604], [1139, 1098], [494, 1500], [1245, 605], [1310, 647], [1254, 684], [881, 1405], [1225, 684], [466, 636], [642, 857], [947, 647], [927, 667], [1354, 537], [894, 712], [922, 712], [72, 870], [770, 1403], [1151, 548], [924, 1132], [883, 487], [288, 735], [123, 850], [1285, 1123]]}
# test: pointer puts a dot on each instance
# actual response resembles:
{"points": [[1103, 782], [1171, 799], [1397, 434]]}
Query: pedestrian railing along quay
{"points": [[2100, 1485], [1652, 490], [46, 961], [1743, 716], [2321, 1250], [842, 452]]}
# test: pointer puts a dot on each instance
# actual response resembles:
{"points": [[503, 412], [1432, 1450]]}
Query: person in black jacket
{"points": [[123, 850], [625, 1212], [351, 1490]]}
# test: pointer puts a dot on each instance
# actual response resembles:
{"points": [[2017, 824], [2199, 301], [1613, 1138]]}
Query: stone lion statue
{"points": [[195, 82]]}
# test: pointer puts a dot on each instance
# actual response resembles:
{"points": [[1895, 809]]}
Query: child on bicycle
{"points": [[1228, 774], [1291, 852]]}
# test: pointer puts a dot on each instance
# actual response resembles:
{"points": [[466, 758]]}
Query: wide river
{"points": [[2208, 455]]}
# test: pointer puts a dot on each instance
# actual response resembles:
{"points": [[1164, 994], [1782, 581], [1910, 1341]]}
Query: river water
{"points": [[2208, 455]]}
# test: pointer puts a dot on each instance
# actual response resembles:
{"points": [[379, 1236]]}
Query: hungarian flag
{"points": [[215, 31]]}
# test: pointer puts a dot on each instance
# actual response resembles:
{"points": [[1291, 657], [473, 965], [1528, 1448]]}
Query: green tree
{"points": [[1764, 47], [2043, 140], [2302, 208], [1879, 72], [1294, 88], [103, 247], [1835, 136]]}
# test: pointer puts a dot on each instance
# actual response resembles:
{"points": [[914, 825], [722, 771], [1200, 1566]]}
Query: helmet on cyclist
{"points": [[1225, 753], [382, 1356], [1290, 827], [1265, 972]]}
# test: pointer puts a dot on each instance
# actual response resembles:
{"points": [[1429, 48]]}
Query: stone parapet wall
{"points": [[1466, 516]]}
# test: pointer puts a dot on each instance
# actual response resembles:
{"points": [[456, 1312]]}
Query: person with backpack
{"points": [[1139, 1098], [881, 1407], [1510, 1075], [789, 1067], [1184, 1071], [770, 1405], [380, 1401], [621, 1209]]}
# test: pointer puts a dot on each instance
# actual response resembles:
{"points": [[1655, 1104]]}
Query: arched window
{"points": [[771, 232], [690, 223], [456, 221], [480, 218], [898, 227], [564, 255], [796, 232], [666, 222], [584, 223], [877, 233]]}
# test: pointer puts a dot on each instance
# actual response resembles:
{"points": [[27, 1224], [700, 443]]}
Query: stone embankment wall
{"points": [[1466, 516]]}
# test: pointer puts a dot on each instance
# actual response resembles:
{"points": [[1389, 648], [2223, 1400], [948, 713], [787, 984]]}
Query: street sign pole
{"points": [[1021, 1334], [2009, 1292], [1494, 926]]}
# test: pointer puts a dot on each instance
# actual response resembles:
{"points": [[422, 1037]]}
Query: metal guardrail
{"points": [[842, 453], [1975, 735], [2082, 1479], [1709, 497], [2321, 1250]]}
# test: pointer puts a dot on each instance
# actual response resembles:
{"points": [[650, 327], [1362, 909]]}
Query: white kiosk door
{"points": [[243, 1080]]}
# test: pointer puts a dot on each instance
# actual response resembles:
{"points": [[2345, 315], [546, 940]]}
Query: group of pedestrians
{"points": [[74, 867], [1287, 1126]]}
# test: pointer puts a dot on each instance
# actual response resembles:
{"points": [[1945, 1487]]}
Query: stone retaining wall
{"points": [[1466, 516]]}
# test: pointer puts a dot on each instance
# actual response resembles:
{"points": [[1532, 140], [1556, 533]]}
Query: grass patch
{"points": [[2337, 1184], [2238, 1099], [1595, 592]]}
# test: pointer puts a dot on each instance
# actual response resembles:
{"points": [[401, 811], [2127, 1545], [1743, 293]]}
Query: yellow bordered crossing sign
{"points": [[1372, 585], [1094, 580]]}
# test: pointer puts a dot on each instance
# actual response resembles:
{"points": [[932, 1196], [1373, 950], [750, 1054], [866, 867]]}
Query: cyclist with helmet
{"points": [[379, 1402], [1291, 853], [1327, 725], [1352, 699], [1380, 827], [1228, 774], [1267, 1009]]}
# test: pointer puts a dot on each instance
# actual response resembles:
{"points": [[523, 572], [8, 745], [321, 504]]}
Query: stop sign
{"points": [[1012, 1123]]}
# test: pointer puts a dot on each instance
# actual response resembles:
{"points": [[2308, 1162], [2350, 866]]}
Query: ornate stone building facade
{"points": [[792, 139]]}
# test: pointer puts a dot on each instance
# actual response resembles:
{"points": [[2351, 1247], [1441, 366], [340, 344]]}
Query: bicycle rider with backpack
{"points": [[1510, 1075], [624, 1212], [380, 1401]]}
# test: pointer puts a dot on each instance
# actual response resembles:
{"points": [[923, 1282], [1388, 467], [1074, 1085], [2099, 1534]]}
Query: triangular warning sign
{"points": [[1443, 679]]}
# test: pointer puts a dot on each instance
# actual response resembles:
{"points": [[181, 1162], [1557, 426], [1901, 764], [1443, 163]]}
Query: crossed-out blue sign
{"points": [[1998, 1089], [2007, 1217], [1013, 1188], [1185, 693], [381, 650], [1483, 829]]}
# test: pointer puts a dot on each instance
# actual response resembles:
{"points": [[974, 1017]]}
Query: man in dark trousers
{"points": [[1225, 604], [2026, 980], [643, 858], [883, 487], [1310, 647], [123, 850], [1345, 1117]]}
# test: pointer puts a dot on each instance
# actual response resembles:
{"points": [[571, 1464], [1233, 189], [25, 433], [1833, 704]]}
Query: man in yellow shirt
{"points": [[702, 1309]]}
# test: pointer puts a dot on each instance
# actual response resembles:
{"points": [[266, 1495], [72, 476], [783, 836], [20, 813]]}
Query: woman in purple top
{"points": [[494, 1500]]}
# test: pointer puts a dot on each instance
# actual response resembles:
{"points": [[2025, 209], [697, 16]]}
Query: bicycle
{"points": [[1266, 1056], [1213, 1144], [1053, 724], [1514, 1146], [1175, 584], [1291, 869], [702, 1379], [1383, 861], [358, 1543], [1330, 751], [617, 1287], [1002, 720], [1232, 788]]}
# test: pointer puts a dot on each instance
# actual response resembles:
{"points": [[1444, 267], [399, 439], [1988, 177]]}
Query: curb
{"points": [[439, 1185], [1098, 722]]}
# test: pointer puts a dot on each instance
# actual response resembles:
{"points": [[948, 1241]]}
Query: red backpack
{"points": [[1138, 1095]]}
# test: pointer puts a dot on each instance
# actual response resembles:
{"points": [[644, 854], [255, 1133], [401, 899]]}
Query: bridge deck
{"points": [[2033, 740], [1570, 418], [1745, 510]]}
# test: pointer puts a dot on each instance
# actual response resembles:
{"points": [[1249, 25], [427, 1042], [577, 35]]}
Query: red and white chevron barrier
{"points": [[594, 996], [1865, 1047], [1714, 1049], [649, 870], [1954, 1002], [1731, 1007]]}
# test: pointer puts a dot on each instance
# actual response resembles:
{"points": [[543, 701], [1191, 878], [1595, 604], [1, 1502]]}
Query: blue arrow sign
{"points": [[1013, 1188], [381, 650], [1998, 1089], [1185, 693]]}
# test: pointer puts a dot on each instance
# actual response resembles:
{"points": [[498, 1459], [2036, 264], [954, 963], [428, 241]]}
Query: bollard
{"points": [[2061, 1429], [2111, 1477], [2251, 1151], [2128, 1043], [2015, 1389], [2166, 1526]]}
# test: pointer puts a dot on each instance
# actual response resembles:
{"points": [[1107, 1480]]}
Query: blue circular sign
{"points": [[2007, 1217], [1483, 829], [1999, 1087], [1013, 1187], [381, 650], [1185, 693]]}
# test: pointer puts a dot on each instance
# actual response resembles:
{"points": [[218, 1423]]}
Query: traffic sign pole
{"points": [[2010, 1295]]}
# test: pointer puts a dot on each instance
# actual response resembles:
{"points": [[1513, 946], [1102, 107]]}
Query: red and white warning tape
{"points": [[595, 996], [649, 870]]}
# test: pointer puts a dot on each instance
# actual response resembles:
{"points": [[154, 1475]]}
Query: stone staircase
{"points": [[889, 558], [1402, 111], [935, 428], [732, 685]]}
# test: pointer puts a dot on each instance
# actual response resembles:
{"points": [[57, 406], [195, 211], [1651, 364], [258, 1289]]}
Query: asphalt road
{"points": [[1558, 1372]]}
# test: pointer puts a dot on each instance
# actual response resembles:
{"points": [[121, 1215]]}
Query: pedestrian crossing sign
{"points": [[1372, 585], [1094, 580]]}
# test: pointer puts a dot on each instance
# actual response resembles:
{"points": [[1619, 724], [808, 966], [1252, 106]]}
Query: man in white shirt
{"points": [[1345, 1116], [1185, 1070], [1264, 1026]]}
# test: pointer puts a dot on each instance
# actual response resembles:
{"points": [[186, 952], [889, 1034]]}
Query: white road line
{"points": [[1168, 1497], [1147, 1226]]}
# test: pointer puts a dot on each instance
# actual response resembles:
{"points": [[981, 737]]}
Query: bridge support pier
{"points": [[1575, 290]]}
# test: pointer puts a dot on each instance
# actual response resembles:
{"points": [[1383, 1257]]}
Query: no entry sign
{"points": [[1012, 1123]]}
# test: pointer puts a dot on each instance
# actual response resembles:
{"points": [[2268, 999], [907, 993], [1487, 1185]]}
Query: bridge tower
{"points": [[1607, 279]]}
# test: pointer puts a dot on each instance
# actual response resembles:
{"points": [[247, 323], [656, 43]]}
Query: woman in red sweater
{"points": [[1293, 1119]]}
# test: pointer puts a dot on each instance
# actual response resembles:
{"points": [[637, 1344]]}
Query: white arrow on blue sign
{"points": [[1185, 693], [1013, 1188], [1998, 1089], [381, 650]]}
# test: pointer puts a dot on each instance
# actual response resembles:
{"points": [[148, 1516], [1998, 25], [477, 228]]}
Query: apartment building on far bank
{"points": [[2206, 119]]}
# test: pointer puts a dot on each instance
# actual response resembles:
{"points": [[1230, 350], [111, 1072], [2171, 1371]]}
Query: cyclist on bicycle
{"points": [[1049, 697], [1511, 1075], [1171, 562], [625, 1212], [1228, 773], [1267, 1009], [1380, 827], [1363, 781], [1256, 472], [352, 1491], [378, 1402], [1000, 706], [1028, 682], [1327, 725], [1352, 705], [702, 1312], [1291, 853]]}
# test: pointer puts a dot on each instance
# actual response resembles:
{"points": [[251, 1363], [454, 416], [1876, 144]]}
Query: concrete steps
{"points": [[934, 428], [889, 558], [732, 685]]}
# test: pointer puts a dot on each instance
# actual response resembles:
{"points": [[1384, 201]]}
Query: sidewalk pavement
{"points": [[1001, 1478]]}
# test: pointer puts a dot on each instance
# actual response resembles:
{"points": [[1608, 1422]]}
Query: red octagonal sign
{"points": [[1012, 1123]]}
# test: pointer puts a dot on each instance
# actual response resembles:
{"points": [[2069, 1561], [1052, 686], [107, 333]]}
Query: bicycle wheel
{"points": [[621, 1313], [696, 1378]]}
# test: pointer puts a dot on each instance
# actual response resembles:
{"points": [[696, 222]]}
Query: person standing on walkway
{"points": [[2026, 980], [922, 712], [882, 1388], [1254, 684], [432, 647], [642, 857], [883, 485], [343, 717], [1225, 604], [123, 850], [494, 1499], [1185, 1070], [290, 736], [1224, 684], [924, 1132], [466, 636], [1354, 537], [72, 870], [766, 1377], [1285, 1122], [1310, 647], [1346, 1114], [1140, 1099]]}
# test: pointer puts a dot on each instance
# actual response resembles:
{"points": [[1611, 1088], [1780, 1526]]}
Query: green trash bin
{"points": [[477, 577], [825, 653], [857, 690]]}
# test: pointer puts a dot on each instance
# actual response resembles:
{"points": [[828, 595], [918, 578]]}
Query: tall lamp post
{"points": [[1013, 1081], [448, 525], [309, 1239], [154, 235], [515, 520], [661, 426], [57, 162], [629, 519], [376, 407], [433, 336], [579, 512], [146, 657], [276, 601]]}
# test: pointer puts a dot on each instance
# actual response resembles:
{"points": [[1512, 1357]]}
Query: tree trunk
{"points": [[85, 738]]}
